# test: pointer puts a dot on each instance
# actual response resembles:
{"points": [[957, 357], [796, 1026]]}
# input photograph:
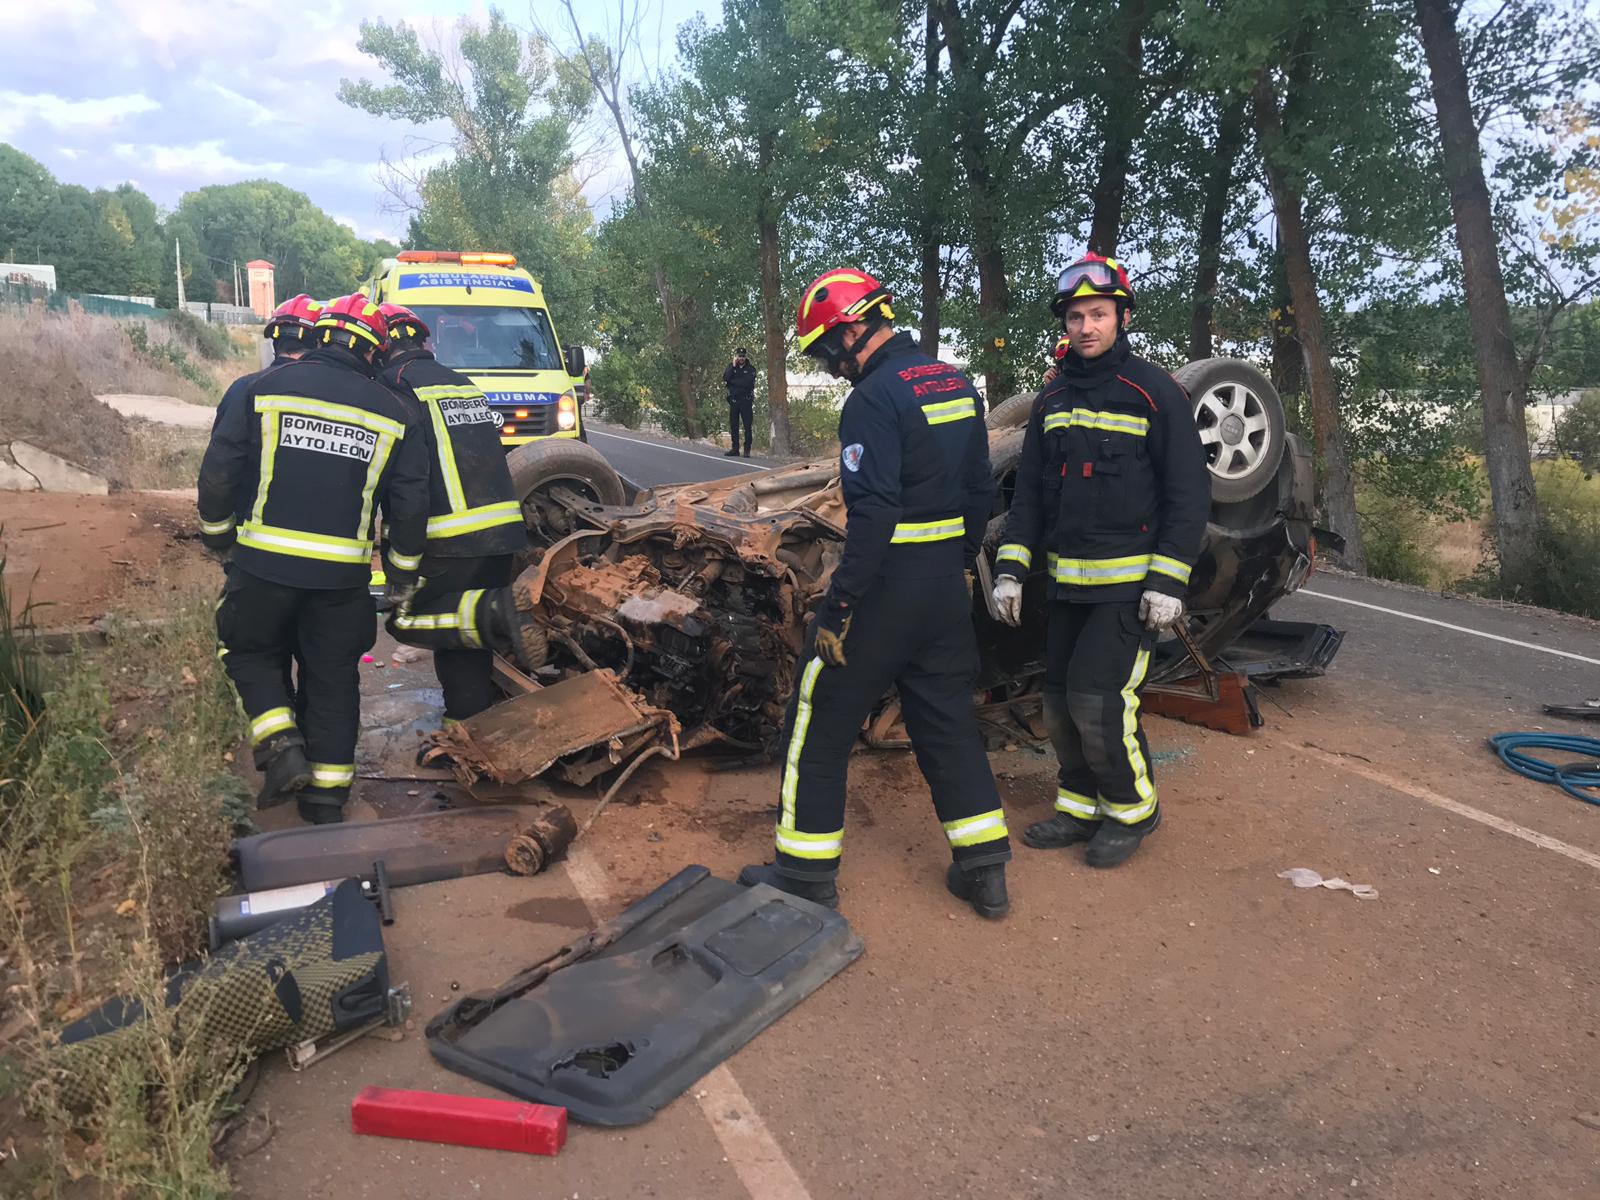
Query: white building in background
{"points": [[39, 275], [1543, 415]]}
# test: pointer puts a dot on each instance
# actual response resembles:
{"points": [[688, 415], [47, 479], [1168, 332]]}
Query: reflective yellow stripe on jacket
{"points": [[298, 543], [946, 411], [1108, 422], [460, 519], [928, 531], [304, 545]]}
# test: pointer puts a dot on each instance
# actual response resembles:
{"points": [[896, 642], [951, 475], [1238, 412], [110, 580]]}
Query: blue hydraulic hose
{"points": [[1572, 778]]}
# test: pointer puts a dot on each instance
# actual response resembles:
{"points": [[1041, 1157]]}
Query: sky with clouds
{"points": [[175, 95]]}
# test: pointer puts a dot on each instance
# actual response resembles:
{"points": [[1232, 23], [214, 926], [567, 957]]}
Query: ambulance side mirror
{"points": [[575, 359]]}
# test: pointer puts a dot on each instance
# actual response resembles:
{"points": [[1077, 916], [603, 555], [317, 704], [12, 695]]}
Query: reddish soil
{"points": [[79, 557]]}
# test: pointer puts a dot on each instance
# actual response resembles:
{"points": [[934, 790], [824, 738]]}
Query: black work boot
{"points": [[514, 628], [1059, 832], [281, 759], [818, 891], [982, 887], [734, 453], [1114, 843], [321, 806]]}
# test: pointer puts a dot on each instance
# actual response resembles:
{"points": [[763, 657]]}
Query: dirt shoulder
{"points": [[78, 558]]}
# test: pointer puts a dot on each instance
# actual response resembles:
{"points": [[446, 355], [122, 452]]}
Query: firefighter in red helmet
{"points": [[475, 522], [293, 473], [914, 470]]}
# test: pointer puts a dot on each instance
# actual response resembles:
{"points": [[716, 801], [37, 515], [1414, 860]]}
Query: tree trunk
{"points": [[1213, 219], [682, 372], [772, 327], [1505, 432], [988, 250], [1338, 479], [929, 232], [1124, 117], [1288, 361], [932, 291]]}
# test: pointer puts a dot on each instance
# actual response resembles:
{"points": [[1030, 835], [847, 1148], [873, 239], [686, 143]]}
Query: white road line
{"points": [[1427, 796], [664, 446], [761, 1166], [751, 1149], [1493, 637]]}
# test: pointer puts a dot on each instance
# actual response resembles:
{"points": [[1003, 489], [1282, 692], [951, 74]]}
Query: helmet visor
{"points": [[1096, 276]]}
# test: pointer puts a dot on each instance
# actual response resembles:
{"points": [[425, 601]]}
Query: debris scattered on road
{"points": [[627, 1017], [366, 658], [1304, 877], [1589, 1120], [420, 848], [1434, 871], [545, 839], [409, 654], [459, 1120], [223, 1011]]}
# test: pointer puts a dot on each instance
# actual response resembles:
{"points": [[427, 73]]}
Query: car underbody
{"points": [[692, 601]]}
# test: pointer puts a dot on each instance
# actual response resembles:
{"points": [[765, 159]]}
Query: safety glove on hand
{"points": [[399, 591], [833, 626], [1008, 599], [1160, 611]]}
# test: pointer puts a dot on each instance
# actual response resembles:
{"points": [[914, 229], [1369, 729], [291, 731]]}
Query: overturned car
{"points": [[693, 598]]}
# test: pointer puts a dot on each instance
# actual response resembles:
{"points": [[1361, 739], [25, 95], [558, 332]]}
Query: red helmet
{"points": [[1092, 275], [1063, 344], [403, 323], [295, 317], [356, 315], [838, 297]]}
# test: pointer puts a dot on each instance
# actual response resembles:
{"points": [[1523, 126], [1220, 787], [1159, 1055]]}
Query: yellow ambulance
{"points": [[490, 322]]}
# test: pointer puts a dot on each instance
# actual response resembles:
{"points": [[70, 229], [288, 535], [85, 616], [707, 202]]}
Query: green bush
{"points": [[1566, 570], [1398, 537], [814, 419], [211, 341], [167, 354]]}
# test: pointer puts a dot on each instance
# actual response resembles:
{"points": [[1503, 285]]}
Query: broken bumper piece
{"points": [[621, 1021]]}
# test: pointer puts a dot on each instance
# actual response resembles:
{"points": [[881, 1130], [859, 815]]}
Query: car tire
{"points": [[1012, 413], [1240, 418], [538, 465]]}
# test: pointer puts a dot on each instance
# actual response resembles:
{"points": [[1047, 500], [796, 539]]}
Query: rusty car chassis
{"points": [[676, 621]]}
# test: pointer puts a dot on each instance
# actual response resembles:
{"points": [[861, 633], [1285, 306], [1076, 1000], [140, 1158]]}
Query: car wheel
{"points": [[539, 466], [1240, 418], [1012, 413]]}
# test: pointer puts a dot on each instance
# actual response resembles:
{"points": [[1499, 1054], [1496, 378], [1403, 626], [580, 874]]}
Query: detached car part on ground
{"points": [[692, 599]]}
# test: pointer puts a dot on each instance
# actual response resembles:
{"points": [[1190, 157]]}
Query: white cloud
{"points": [[202, 161], [255, 112], [20, 109]]}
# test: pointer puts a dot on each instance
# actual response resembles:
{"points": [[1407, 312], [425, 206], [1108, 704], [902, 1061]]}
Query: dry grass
{"points": [[115, 816], [57, 362]]}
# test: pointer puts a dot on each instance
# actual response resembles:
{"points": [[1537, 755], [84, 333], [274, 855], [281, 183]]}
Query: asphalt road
{"points": [[1187, 1027], [649, 462]]}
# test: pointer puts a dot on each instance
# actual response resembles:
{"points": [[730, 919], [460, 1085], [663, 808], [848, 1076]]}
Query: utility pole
{"points": [[177, 254]]}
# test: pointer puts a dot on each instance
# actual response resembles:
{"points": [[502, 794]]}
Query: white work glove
{"points": [[1160, 611], [1008, 599]]}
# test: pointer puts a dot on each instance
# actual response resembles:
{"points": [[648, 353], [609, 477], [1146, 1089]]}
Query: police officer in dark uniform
{"points": [[295, 469], [1113, 494], [740, 380], [918, 489], [475, 525]]}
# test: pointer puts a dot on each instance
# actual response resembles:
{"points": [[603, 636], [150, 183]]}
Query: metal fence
{"points": [[223, 314], [21, 295]]}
